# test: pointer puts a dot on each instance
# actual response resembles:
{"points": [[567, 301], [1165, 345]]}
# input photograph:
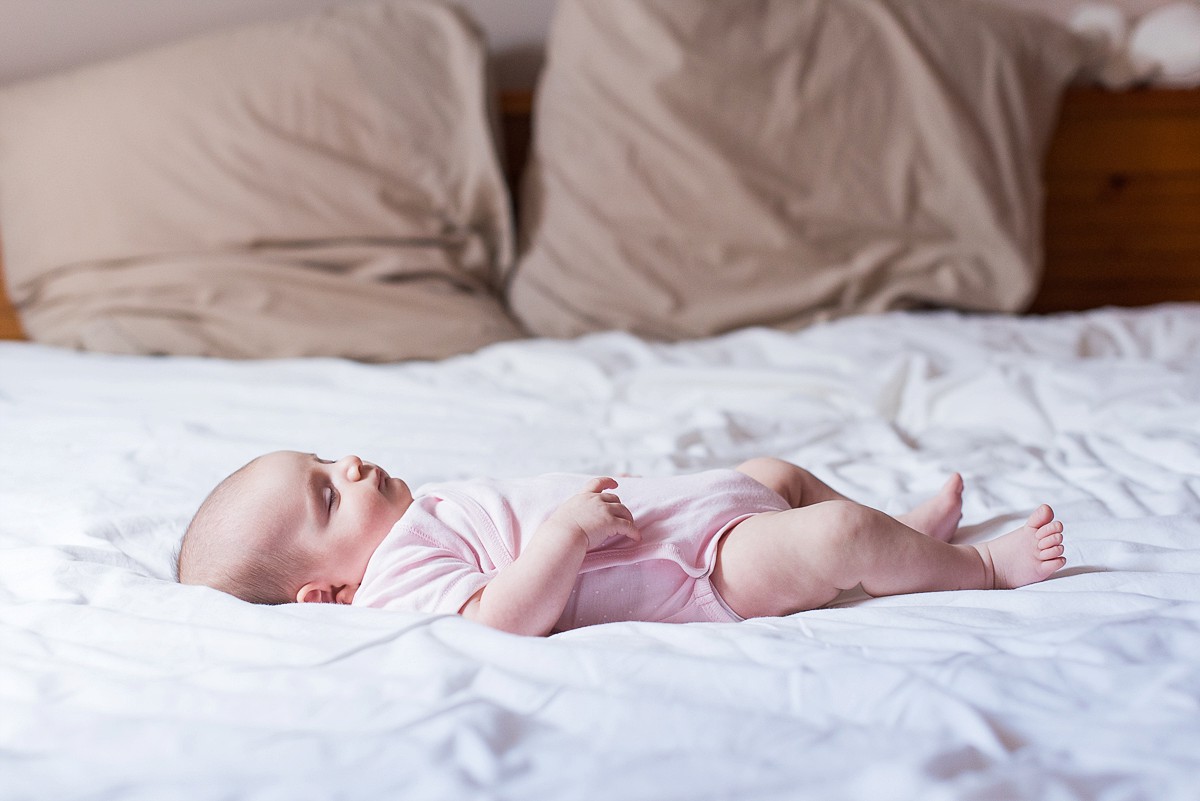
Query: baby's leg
{"points": [[797, 486], [938, 517], [777, 563]]}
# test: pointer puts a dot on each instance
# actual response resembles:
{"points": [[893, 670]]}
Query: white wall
{"points": [[39, 36]]}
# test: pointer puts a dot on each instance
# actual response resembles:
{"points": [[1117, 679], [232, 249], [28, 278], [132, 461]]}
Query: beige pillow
{"points": [[326, 186], [699, 166]]}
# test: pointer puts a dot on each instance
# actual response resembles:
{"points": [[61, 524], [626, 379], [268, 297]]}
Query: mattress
{"points": [[116, 682]]}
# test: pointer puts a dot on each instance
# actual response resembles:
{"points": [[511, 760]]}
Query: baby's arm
{"points": [[529, 596]]}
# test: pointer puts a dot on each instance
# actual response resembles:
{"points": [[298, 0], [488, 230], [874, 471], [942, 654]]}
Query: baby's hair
{"points": [[217, 549]]}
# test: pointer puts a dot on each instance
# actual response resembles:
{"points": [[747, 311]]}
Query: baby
{"points": [[532, 556]]}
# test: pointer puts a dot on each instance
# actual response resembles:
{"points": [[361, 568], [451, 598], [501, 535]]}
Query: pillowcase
{"points": [[700, 166], [325, 186]]}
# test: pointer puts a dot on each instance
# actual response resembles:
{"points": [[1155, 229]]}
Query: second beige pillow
{"points": [[700, 166]]}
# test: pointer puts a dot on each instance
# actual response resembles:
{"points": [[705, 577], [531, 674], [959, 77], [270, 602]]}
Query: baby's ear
{"points": [[314, 593]]}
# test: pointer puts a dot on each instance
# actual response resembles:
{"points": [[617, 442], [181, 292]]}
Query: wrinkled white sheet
{"points": [[117, 683]]}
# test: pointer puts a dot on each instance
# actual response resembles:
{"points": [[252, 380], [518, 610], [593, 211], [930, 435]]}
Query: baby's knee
{"points": [[765, 465], [844, 524], [781, 476]]}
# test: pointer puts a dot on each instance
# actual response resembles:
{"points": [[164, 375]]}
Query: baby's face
{"points": [[340, 511]]}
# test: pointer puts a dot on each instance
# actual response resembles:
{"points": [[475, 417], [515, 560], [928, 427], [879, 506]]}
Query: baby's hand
{"points": [[596, 514]]}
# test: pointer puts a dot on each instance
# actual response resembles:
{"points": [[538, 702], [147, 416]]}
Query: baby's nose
{"points": [[353, 467]]}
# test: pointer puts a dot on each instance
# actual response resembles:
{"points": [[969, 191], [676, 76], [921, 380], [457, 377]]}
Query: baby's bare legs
{"points": [[777, 563], [938, 517]]}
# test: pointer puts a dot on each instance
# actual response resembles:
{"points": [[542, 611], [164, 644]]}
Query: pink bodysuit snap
{"points": [[456, 536]]}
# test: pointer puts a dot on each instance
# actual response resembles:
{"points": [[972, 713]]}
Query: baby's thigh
{"points": [[777, 563]]}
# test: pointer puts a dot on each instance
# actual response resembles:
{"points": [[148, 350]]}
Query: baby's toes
{"points": [[1053, 552], [1050, 535], [1041, 517], [1049, 567], [1050, 540], [1053, 528]]}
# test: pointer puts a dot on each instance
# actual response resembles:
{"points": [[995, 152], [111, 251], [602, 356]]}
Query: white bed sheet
{"points": [[117, 683]]}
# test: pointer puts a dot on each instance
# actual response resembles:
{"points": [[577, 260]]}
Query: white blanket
{"points": [[116, 682]]}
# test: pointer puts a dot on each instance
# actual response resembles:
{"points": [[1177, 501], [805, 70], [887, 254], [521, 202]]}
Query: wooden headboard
{"points": [[1122, 199], [10, 326]]}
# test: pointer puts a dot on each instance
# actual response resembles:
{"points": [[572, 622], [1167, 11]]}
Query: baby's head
{"points": [[289, 527]]}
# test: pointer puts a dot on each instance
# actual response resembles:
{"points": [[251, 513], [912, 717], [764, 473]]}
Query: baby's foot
{"points": [[1031, 553], [938, 517]]}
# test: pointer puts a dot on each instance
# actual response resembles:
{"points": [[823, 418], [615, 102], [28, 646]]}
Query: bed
{"points": [[117, 682]]}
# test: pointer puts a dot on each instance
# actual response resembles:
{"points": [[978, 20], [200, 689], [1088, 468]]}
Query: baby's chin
{"points": [[398, 494]]}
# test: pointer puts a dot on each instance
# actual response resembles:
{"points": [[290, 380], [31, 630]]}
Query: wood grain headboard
{"points": [[1122, 199], [10, 326]]}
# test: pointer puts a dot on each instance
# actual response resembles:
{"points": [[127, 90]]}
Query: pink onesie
{"points": [[456, 536]]}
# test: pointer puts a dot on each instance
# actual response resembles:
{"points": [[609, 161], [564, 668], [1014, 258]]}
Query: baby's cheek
{"points": [[378, 522]]}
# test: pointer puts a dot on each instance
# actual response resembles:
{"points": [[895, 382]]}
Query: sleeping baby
{"points": [[556, 552]]}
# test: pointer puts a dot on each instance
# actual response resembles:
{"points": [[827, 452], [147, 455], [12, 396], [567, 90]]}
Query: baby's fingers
{"points": [[600, 484], [627, 525], [615, 508]]}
